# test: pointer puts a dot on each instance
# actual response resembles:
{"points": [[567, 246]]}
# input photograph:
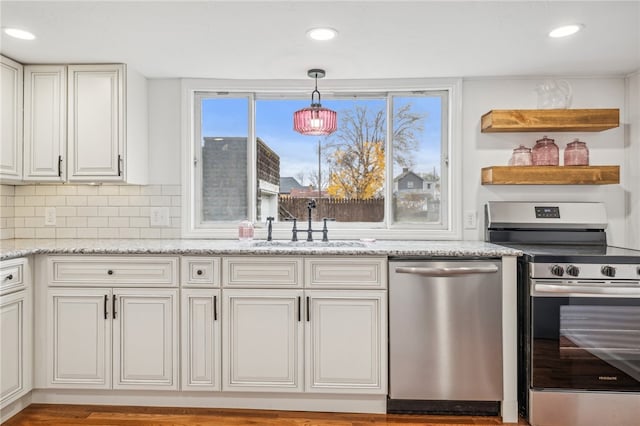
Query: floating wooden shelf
{"points": [[550, 175], [550, 120]]}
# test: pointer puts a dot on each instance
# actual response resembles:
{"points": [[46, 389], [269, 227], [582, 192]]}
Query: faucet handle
{"points": [[330, 219]]}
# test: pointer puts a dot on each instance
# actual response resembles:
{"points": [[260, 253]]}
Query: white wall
{"points": [[164, 131], [632, 161], [487, 149]]}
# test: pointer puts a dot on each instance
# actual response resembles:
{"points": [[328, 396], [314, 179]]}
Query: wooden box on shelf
{"points": [[550, 120], [550, 175]]}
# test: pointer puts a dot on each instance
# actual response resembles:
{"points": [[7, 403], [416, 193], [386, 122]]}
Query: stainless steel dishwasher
{"points": [[445, 336]]}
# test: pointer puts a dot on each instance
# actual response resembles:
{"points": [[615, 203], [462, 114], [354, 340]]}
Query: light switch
{"points": [[470, 219], [159, 216]]}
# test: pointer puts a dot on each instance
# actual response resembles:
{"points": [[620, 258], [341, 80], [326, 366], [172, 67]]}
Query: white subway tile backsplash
{"points": [[88, 211], [77, 200]]}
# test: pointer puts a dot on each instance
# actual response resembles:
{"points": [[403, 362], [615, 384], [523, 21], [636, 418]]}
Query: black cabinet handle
{"points": [[119, 169], [299, 309], [106, 299], [113, 306], [199, 272], [59, 165], [109, 272], [215, 308], [308, 310], [9, 277]]}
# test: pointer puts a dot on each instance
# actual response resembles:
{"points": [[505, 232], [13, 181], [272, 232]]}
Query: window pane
{"points": [[418, 151], [343, 172], [224, 130]]}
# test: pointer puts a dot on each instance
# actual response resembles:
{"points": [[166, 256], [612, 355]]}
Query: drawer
{"points": [[258, 272], [134, 271], [346, 272], [200, 271], [12, 275]]}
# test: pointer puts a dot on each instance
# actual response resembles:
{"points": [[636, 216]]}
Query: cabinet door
{"points": [[11, 117], [45, 122], [95, 122], [145, 339], [346, 342], [79, 338], [12, 342], [262, 340], [200, 339]]}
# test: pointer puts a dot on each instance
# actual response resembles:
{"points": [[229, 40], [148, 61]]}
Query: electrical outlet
{"points": [[159, 216], [50, 216], [470, 219]]}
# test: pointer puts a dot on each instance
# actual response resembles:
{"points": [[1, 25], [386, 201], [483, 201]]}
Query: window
{"points": [[384, 171]]}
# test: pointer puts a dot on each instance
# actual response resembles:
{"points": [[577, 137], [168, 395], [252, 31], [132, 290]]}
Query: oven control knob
{"points": [[573, 270], [608, 271], [557, 270]]}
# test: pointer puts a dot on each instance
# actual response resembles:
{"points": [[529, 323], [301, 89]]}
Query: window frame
{"points": [[193, 227]]}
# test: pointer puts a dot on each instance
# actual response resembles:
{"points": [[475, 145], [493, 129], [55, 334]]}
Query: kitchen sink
{"points": [[318, 244]]}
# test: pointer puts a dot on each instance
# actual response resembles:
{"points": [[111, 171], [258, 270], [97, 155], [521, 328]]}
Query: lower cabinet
{"points": [[103, 338], [200, 332], [15, 344], [333, 341], [262, 340], [345, 342]]}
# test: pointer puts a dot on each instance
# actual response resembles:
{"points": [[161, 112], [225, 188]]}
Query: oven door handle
{"points": [[446, 272], [573, 290]]}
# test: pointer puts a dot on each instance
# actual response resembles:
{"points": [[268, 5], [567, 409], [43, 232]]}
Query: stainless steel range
{"points": [[578, 314]]}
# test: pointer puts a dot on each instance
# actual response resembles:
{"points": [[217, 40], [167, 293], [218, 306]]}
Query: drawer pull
{"points": [[106, 299], [8, 277], [199, 272], [110, 272]]}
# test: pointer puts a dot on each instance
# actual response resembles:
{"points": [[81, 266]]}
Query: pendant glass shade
{"points": [[315, 120]]}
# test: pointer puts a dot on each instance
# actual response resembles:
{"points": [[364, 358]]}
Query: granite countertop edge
{"points": [[11, 249]]}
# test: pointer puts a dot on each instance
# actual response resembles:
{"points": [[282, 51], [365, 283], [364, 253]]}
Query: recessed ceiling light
{"points": [[322, 34], [565, 30], [18, 33]]}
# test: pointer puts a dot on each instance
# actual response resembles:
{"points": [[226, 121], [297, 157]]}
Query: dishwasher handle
{"points": [[446, 272]]}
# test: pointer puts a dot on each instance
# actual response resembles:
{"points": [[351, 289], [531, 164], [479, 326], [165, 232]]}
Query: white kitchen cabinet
{"points": [[11, 74], [262, 340], [145, 339], [45, 112], [85, 123], [201, 339], [16, 331], [91, 329], [345, 341]]}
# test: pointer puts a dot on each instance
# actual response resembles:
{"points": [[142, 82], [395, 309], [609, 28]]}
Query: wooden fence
{"points": [[341, 209]]}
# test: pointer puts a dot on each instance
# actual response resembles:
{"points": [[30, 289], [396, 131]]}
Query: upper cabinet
{"points": [[82, 123], [85, 123], [550, 120], [11, 116]]}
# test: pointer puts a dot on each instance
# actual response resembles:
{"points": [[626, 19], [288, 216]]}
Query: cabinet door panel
{"points": [[262, 340], [45, 95], [95, 115], [11, 129], [200, 339], [79, 338], [144, 339], [12, 312], [346, 342]]}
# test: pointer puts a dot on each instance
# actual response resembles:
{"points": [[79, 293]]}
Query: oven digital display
{"points": [[547, 212]]}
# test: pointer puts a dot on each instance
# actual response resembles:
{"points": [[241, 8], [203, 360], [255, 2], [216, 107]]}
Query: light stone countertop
{"points": [[10, 249]]}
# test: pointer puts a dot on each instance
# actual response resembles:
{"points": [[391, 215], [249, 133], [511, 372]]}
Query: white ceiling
{"points": [[377, 39]]}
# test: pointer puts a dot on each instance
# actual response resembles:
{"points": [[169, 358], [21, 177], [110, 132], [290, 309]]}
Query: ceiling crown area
{"points": [[375, 39]]}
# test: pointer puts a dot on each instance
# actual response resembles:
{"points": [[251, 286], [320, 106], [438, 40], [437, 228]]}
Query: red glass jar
{"points": [[576, 153], [545, 153]]}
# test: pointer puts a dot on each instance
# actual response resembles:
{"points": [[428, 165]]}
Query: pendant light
{"points": [[315, 120]]}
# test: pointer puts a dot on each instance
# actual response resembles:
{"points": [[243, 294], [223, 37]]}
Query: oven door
{"points": [[585, 336]]}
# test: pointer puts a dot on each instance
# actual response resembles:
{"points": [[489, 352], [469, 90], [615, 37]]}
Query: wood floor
{"points": [[49, 414]]}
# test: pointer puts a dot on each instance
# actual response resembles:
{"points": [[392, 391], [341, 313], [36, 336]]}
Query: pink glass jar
{"points": [[545, 153], [576, 153], [521, 156], [245, 230]]}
